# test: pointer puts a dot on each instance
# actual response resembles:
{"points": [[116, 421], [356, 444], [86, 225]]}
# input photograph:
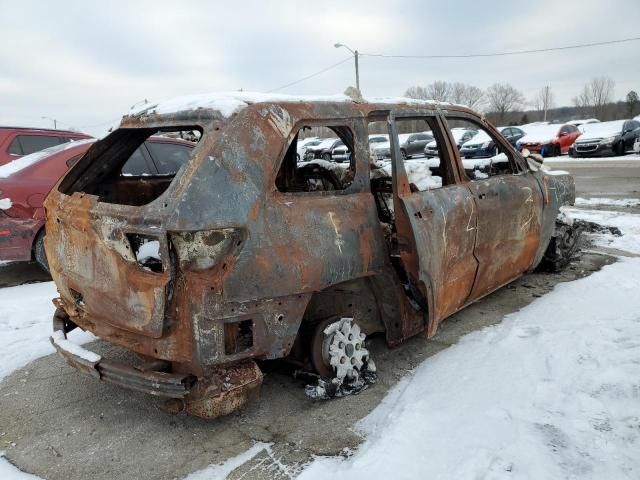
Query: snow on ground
{"points": [[9, 472], [551, 392], [566, 158], [628, 223], [214, 472], [25, 325], [607, 202]]}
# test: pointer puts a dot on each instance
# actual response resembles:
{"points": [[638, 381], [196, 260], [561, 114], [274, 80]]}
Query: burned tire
{"points": [[39, 253], [403, 152], [563, 246]]}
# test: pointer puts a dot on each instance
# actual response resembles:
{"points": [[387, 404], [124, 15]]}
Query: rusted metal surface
{"points": [[244, 266]]}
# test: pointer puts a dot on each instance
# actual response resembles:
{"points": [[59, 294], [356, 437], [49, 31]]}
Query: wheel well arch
{"points": [[34, 240]]}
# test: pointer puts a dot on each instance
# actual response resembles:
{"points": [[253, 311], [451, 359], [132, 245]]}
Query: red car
{"points": [[25, 183], [18, 141], [549, 140]]}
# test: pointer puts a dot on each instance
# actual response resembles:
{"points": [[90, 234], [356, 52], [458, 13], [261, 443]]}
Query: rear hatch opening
{"points": [[132, 166]]}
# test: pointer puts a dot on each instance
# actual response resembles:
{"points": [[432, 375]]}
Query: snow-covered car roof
{"points": [[583, 121], [540, 133], [458, 133], [601, 129], [480, 137], [21, 163], [228, 103], [326, 142]]}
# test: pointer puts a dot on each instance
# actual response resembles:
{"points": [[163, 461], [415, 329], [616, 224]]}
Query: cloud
{"points": [[85, 63]]}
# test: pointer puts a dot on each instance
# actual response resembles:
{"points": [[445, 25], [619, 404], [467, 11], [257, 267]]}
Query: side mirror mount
{"points": [[534, 160]]}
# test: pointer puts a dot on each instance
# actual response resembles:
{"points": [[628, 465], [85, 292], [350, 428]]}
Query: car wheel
{"points": [[620, 150], [39, 254], [562, 247], [339, 355], [404, 153], [326, 156]]}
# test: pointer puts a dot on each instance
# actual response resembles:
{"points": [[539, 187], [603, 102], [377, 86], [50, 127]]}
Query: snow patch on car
{"points": [[593, 131], [540, 134], [228, 103], [21, 163]]}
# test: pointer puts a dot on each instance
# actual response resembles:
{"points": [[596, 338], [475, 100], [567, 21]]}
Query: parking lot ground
{"points": [[59, 424]]}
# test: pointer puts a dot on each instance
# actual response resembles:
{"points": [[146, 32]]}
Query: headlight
{"points": [[608, 141], [486, 144]]}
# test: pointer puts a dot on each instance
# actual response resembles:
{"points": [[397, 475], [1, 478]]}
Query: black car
{"points": [[323, 150], [481, 146], [606, 139]]}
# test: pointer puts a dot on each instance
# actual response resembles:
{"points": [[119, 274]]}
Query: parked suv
{"points": [[18, 141], [25, 183], [246, 254], [606, 139]]}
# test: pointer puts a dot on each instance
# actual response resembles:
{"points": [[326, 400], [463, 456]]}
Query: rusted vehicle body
{"points": [[254, 264]]}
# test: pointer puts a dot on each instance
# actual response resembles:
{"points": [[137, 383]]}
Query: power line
{"points": [[504, 54], [312, 75]]}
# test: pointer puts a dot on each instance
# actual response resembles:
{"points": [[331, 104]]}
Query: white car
{"points": [[301, 147]]}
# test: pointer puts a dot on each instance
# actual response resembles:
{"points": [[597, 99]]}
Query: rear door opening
{"points": [[132, 166]]}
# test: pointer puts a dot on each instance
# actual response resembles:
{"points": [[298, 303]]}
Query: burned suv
{"points": [[246, 254]]}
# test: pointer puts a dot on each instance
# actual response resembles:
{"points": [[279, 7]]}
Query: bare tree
{"points": [[438, 90], [502, 99], [632, 100], [602, 90], [417, 92], [595, 96], [472, 97], [543, 101]]}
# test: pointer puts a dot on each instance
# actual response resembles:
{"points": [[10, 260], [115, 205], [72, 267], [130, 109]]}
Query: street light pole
{"points": [[355, 56], [55, 122]]}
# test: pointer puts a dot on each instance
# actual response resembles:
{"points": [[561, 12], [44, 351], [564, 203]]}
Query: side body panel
{"points": [[508, 234]]}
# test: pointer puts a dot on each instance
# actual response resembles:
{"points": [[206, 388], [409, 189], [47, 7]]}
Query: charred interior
{"points": [[314, 176], [128, 167]]}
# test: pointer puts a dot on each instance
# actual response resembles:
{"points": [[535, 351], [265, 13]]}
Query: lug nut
{"points": [[343, 359]]}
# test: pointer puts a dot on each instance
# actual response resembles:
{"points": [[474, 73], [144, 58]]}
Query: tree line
{"points": [[504, 104]]}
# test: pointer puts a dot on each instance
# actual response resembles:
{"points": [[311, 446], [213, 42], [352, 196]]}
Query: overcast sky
{"points": [[86, 62]]}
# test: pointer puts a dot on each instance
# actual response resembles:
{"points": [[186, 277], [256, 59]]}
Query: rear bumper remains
{"points": [[227, 389], [157, 383]]}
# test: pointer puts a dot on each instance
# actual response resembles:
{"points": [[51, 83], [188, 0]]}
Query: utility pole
{"points": [[355, 56]]}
